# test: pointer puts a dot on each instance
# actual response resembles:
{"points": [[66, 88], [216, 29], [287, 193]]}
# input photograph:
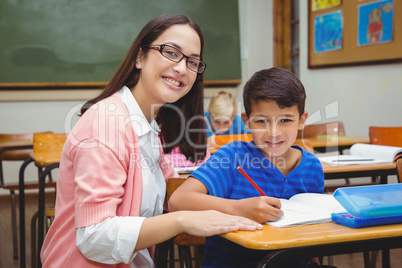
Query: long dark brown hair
{"points": [[193, 144]]}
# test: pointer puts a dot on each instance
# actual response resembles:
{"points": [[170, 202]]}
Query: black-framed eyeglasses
{"points": [[176, 55]]}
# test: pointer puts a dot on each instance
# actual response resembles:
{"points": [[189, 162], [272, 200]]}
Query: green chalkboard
{"points": [[86, 40]]}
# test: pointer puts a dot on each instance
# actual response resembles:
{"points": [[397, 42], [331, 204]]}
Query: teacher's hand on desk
{"points": [[211, 222]]}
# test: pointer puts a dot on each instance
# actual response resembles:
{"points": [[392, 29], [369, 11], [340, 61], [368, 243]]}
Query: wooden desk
{"points": [[319, 144], [336, 144], [360, 170], [15, 145], [314, 240], [327, 238], [356, 171]]}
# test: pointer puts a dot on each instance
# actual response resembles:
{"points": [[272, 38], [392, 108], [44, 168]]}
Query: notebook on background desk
{"points": [[365, 154]]}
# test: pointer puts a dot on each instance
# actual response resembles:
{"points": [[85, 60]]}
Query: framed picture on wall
{"points": [[354, 33]]}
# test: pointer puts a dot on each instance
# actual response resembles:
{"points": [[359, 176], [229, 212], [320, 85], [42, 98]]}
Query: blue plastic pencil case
{"points": [[369, 205]]}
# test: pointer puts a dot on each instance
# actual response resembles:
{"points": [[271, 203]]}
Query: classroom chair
{"points": [[326, 129], [399, 169], [390, 136], [184, 242], [47, 149], [49, 216], [17, 152], [221, 140]]}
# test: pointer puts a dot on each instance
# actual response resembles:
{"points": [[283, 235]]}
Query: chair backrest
{"points": [[315, 130], [306, 144], [390, 136], [182, 239], [49, 142], [47, 148], [399, 169], [171, 185], [224, 139]]}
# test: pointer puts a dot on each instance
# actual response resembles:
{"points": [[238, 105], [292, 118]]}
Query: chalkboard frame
{"points": [[99, 85]]}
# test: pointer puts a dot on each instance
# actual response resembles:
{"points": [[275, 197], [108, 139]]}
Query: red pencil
{"points": [[251, 181]]}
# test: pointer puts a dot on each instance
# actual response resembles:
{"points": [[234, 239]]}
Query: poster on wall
{"points": [[375, 23], [328, 32], [360, 32], [324, 4]]}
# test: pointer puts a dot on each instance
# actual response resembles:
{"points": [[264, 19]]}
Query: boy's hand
{"points": [[260, 209]]}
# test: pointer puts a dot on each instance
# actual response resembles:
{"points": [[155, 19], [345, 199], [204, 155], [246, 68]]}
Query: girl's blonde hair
{"points": [[222, 105]]}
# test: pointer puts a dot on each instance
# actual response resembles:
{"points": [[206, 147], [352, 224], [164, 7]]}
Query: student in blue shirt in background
{"points": [[221, 117], [274, 101]]}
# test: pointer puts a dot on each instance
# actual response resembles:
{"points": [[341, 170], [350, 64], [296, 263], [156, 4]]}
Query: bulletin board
{"points": [[354, 32]]}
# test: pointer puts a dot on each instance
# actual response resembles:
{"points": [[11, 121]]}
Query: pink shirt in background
{"points": [[179, 160]]}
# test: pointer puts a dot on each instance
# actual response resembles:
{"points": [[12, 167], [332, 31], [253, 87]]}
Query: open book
{"points": [[307, 208], [365, 154]]}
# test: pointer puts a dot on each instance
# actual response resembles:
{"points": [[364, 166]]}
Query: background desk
{"points": [[317, 240], [332, 144], [15, 145], [321, 145], [359, 170]]}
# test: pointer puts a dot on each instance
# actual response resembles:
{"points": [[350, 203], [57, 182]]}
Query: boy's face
{"points": [[274, 129], [221, 124]]}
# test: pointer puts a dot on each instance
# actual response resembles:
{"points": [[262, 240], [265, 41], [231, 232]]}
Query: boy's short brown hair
{"points": [[277, 84]]}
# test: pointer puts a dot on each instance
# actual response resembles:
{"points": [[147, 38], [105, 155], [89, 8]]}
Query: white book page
{"points": [[378, 152], [307, 208], [324, 201], [364, 154], [349, 160]]}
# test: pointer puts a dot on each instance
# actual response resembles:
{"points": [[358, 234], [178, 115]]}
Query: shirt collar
{"points": [[140, 123]]}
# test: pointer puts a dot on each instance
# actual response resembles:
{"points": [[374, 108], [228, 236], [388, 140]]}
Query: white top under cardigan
{"points": [[114, 240]]}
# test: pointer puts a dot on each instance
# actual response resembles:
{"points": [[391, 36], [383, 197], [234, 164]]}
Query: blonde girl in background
{"points": [[221, 117]]}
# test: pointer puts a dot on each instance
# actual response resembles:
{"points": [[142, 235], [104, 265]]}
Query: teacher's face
{"points": [[161, 79]]}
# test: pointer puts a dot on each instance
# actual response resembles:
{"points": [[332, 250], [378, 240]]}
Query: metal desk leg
{"points": [[386, 263], [161, 253], [22, 211]]}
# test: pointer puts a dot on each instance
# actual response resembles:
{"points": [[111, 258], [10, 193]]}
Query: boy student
{"points": [[274, 102], [221, 117]]}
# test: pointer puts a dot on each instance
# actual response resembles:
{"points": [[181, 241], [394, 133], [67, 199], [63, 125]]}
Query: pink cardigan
{"points": [[100, 176]]}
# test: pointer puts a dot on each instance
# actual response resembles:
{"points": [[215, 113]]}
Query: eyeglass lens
{"points": [[176, 55]]}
